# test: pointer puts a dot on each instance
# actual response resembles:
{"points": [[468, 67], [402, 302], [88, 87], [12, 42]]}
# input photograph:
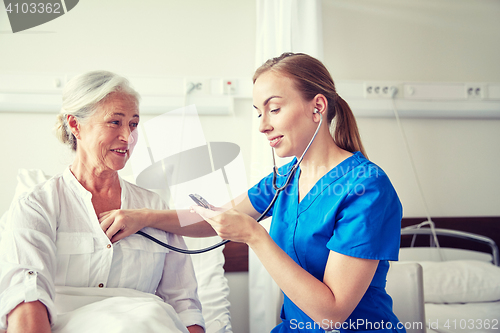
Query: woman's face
{"points": [[285, 117], [107, 139]]}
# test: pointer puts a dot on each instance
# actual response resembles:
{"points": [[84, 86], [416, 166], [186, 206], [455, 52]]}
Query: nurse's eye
{"points": [[275, 110], [134, 125], [259, 115]]}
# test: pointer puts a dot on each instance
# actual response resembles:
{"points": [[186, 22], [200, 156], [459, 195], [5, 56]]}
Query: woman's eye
{"points": [[134, 125], [115, 122], [259, 115]]}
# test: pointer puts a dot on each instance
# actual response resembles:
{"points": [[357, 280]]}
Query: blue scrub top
{"points": [[353, 210]]}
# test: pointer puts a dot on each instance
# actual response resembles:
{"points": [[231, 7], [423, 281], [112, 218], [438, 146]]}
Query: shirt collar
{"points": [[73, 183], [78, 188]]}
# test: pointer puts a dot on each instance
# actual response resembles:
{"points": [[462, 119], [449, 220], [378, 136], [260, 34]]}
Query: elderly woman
{"points": [[53, 237]]}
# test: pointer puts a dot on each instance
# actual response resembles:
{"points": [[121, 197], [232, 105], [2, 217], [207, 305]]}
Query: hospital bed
{"points": [[455, 288], [213, 289], [460, 278]]}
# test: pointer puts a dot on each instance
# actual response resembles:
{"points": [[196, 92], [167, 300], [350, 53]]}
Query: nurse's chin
{"points": [[282, 153]]}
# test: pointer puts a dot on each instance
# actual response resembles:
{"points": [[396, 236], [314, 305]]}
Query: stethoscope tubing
{"points": [[210, 248], [262, 216]]}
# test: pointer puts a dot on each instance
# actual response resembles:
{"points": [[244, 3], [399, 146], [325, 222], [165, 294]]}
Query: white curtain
{"points": [[282, 26]]}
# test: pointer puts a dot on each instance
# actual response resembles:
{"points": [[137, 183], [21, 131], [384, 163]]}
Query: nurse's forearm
{"points": [[181, 222], [308, 293]]}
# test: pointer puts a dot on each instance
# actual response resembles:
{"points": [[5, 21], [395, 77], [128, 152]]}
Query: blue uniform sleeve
{"points": [[368, 224]]}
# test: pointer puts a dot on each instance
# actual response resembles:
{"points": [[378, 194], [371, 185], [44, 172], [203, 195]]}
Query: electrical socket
{"points": [[475, 91], [196, 86], [229, 86], [380, 90]]}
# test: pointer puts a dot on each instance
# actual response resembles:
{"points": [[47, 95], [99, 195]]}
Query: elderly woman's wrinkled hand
{"points": [[120, 223]]}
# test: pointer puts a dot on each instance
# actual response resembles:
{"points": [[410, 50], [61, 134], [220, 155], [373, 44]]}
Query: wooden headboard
{"points": [[236, 254]]}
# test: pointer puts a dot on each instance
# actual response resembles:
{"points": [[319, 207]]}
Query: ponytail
{"points": [[345, 129], [312, 78]]}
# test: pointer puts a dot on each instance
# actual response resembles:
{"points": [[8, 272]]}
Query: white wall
{"points": [[150, 37], [425, 40], [421, 40], [413, 40]]}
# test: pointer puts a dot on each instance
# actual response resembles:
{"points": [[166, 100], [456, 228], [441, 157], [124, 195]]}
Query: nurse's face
{"points": [[107, 139], [285, 117]]}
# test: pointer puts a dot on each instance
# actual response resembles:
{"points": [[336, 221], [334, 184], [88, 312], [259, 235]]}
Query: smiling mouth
{"points": [[121, 151], [275, 141]]}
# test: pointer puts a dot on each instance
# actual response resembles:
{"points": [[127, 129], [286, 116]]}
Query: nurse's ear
{"points": [[320, 104], [74, 125]]}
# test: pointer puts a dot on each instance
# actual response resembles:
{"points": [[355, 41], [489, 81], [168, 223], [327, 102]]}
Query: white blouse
{"points": [[52, 237]]}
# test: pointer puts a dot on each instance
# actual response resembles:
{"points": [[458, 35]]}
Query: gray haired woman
{"points": [[54, 230]]}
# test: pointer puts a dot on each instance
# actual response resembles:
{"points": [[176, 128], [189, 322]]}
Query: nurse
{"points": [[333, 229]]}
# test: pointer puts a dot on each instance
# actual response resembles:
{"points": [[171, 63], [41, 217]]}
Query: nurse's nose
{"points": [[264, 125]]}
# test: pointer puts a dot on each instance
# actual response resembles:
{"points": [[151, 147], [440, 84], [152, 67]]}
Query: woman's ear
{"points": [[74, 125], [321, 104]]}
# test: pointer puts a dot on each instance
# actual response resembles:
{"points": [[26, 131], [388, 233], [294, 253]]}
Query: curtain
{"points": [[282, 26]]}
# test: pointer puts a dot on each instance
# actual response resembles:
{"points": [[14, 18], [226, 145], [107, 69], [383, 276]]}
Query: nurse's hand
{"points": [[120, 223], [231, 224]]}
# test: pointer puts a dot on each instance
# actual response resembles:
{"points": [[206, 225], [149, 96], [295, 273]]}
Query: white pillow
{"points": [[28, 178], [460, 281]]}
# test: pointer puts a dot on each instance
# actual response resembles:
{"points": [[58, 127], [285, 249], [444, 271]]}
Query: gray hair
{"points": [[83, 94]]}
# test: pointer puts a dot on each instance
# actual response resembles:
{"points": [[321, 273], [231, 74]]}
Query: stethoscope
{"points": [[277, 188]]}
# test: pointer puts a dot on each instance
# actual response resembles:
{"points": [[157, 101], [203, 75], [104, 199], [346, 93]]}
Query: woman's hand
{"points": [[231, 224], [195, 329], [120, 223]]}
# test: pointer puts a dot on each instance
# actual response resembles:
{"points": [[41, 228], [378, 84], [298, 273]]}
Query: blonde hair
{"points": [[312, 78], [81, 97]]}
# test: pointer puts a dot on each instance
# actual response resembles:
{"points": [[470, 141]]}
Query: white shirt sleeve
{"points": [[178, 286], [27, 259]]}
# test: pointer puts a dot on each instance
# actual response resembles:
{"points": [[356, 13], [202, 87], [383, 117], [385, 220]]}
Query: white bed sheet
{"points": [[117, 310], [465, 317], [123, 310]]}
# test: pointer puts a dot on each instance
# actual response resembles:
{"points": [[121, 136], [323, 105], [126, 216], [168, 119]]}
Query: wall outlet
{"points": [[381, 90], [475, 91], [230, 86], [196, 86]]}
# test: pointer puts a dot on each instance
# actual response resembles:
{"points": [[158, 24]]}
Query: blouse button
{"points": [[101, 285], [108, 246]]}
